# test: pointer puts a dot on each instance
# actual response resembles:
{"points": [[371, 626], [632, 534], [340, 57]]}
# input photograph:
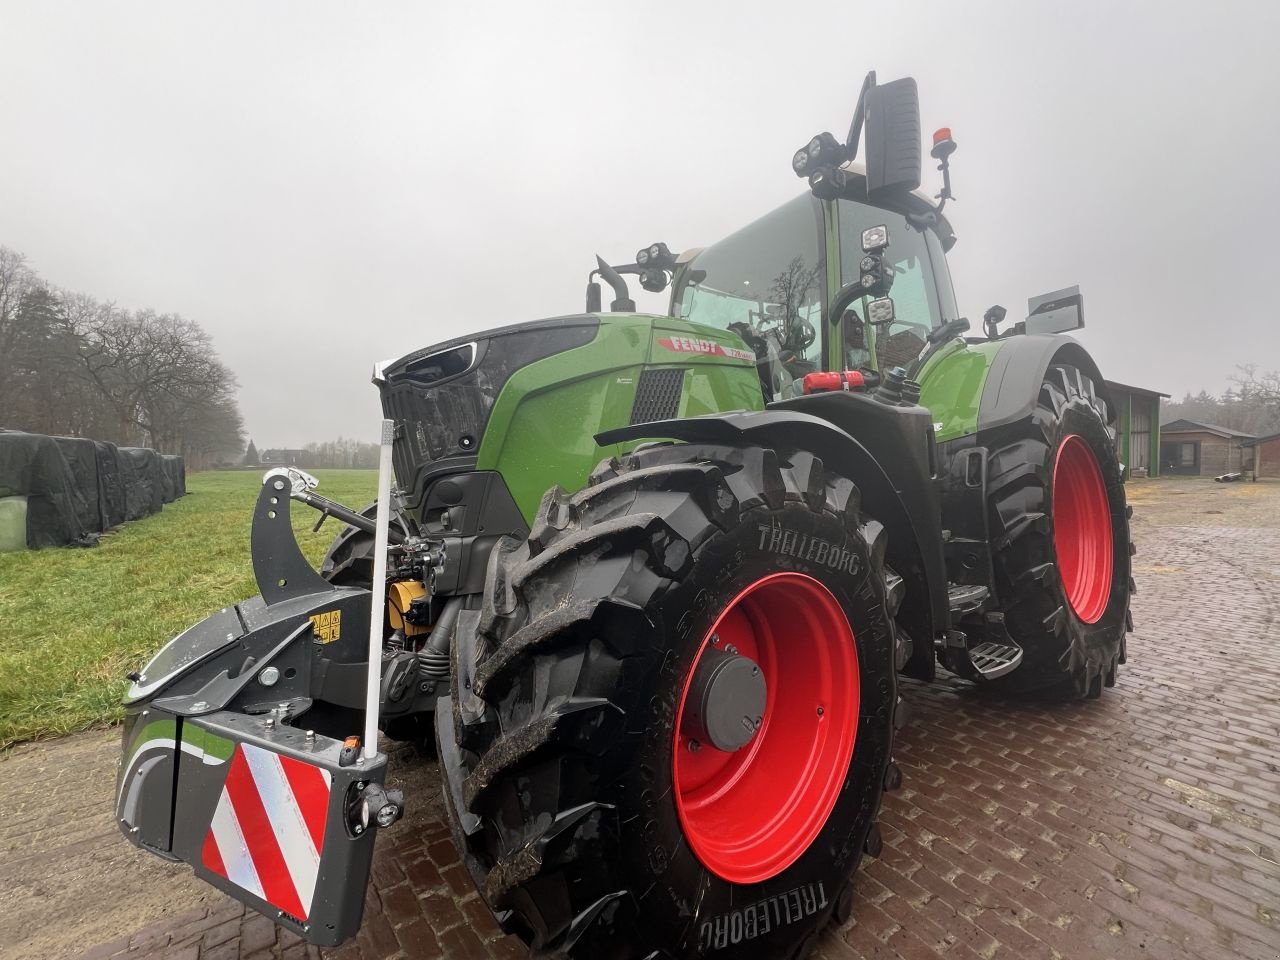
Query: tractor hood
{"points": [[522, 403], [440, 397]]}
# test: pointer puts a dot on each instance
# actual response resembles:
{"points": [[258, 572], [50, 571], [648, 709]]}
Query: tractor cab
{"points": [[774, 282]]}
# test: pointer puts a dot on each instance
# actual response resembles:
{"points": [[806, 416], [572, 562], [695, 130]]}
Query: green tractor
{"points": [[646, 584]]}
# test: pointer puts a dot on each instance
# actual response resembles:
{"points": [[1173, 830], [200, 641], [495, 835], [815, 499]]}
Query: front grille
{"points": [[657, 395]]}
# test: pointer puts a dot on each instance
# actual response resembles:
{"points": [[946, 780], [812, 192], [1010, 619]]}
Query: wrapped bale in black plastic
{"points": [[131, 484], [33, 467], [82, 459], [111, 499], [168, 489], [176, 470], [145, 492]]}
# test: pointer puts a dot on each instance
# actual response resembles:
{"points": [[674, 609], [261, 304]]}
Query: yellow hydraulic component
{"points": [[400, 595]]}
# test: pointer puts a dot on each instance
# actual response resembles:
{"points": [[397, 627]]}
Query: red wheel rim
{"points": [[750, 814], [1082, 529]]}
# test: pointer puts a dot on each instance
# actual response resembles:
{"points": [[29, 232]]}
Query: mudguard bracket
{"points": [[279, 567]]}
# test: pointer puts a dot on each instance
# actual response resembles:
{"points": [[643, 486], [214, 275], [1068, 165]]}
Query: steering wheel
{"points": [[800, 335]]}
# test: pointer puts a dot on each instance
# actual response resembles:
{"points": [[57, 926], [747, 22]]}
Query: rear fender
{"points": [[1013, 381]]}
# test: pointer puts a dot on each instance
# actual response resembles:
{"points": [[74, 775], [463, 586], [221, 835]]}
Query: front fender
{"points": [[907, 505]]}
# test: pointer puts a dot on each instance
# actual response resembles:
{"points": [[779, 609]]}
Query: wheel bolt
{"points": [[694, 746], [821, 711]]}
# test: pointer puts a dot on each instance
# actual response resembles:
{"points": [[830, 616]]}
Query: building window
{"points": [[1187, 454]]}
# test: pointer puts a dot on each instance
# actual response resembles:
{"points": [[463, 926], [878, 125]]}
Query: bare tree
{"points": [[1260, 392], [71, 364], [1251, 405], [342, 453], [16, 281]]}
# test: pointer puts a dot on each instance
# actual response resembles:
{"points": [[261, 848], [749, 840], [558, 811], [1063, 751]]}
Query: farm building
{"points": [[286, 458], [1195, 449], [1266, 455], [1137, 427]]}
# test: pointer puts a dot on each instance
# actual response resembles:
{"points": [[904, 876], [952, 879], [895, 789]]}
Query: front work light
{"points": [[880, 312], [875, 238]]}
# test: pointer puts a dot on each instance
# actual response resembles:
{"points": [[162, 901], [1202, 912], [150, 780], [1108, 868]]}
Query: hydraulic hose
{"points": [[434, 656]]}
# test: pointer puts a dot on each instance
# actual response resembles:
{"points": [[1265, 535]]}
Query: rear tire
{"points": [[1060, 541], [563, 769]]}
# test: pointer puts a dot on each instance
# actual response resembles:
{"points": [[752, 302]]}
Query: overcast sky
{"points": [[323, 185]]}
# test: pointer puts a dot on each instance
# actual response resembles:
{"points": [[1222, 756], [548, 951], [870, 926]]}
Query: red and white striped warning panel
{"points": [[268, 828]]}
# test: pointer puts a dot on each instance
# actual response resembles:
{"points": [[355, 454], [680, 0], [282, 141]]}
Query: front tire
{"points": [[592, 826], [349, 560], [1061, 547]]}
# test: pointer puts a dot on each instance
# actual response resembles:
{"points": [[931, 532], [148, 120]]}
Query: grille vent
{"points": [[657, 395]]}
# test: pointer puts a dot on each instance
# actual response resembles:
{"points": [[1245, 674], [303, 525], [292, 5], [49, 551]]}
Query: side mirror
{"points": [[992, 319], [892, 139], [1056, 312]]}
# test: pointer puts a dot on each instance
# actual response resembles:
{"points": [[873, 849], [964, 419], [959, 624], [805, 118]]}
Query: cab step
{"points": [[992, 659], [966, 598], [989, 653]]}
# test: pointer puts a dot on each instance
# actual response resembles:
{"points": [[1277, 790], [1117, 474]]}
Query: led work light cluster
{"points": [[654, 261], [876, 275], [819, 160]]}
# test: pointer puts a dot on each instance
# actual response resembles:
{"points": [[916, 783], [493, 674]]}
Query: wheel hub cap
{"points": [[726, 701]]}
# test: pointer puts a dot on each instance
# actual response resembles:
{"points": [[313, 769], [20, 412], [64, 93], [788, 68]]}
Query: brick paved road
{"points": [[1146, 824]]}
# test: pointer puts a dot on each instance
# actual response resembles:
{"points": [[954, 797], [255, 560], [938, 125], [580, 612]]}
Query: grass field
{"points": [[74, 622]]}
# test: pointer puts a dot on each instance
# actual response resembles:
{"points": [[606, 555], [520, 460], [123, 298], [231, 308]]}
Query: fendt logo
{"points": [[707, 348]]}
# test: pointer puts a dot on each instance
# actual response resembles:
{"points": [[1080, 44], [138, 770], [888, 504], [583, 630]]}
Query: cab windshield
{"points": [[765, 283]]}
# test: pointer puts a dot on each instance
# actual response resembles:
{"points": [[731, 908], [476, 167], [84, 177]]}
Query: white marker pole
{"points": [[378, 600]]}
